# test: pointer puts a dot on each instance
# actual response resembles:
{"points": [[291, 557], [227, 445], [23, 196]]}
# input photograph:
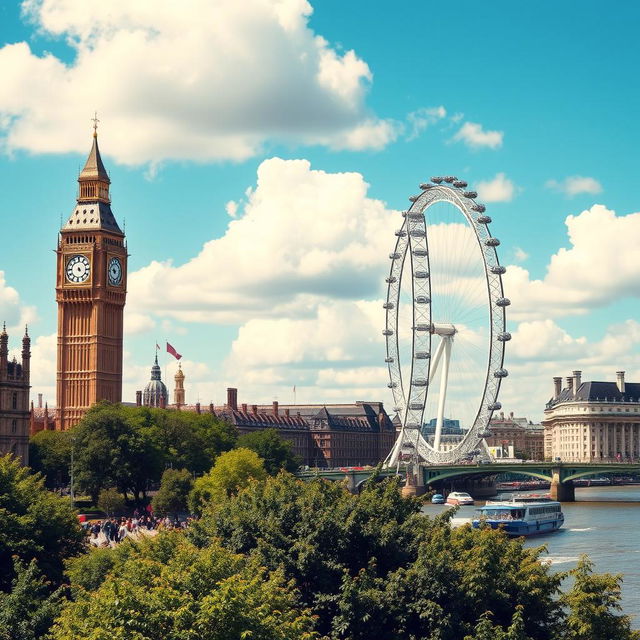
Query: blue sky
{"points": [[536, 101]]}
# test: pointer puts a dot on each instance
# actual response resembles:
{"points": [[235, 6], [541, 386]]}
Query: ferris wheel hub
{"points": [[444, 330]]}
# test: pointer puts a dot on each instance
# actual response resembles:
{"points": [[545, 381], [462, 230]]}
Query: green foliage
{"points": [[174, 490], [167, 588], [128, 447], [35, 524], [50, 454], [232, 471], [593, 603], [374, 566], [110, 501], [89, 570], [111, 452], [276, 452], [28, 610]]}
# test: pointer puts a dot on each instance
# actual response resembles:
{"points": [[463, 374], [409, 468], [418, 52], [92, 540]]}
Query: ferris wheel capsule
{"points": [[503, 302], [500, 373], [460, 184], [484, 219], [479, 207], [450, 179], [505, 336], [470, 194], [494, 406], [413, 198], [492, 242], [498, 269]]}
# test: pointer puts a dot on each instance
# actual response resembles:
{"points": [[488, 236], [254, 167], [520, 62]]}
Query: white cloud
{"points": [[195, 80], [520, 254], [12, 310], [500, 189], [541, 350], [474, 136], [135, 323], [601, 266], [44, 351], [302, 236], [231, 208], [574, 185], [422, 118]]}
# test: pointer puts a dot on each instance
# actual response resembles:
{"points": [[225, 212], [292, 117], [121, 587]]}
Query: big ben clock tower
{"points": [[90, 292]]}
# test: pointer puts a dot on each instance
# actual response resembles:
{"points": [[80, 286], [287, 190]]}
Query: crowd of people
{"points": [[109, 532]]}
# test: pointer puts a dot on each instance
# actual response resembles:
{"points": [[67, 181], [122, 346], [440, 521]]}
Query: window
{"points": [[14, 426], [14, 400]]}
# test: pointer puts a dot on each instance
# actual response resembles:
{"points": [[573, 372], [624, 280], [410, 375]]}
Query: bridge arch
{"points": [[541, 474]]}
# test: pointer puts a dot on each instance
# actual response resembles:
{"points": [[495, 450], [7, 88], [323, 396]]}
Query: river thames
{"points": [[604, 523]]}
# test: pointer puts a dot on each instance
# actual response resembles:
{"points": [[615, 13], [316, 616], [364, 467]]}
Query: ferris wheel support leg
{"points": [[435, 361], [394, 456], [442, 396]]}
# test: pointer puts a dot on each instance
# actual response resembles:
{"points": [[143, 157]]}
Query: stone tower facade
{"points": [[91, 289], [14, 399], [178, 392]]}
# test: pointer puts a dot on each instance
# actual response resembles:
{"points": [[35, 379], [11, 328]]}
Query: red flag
{"points": [[173, 352]]}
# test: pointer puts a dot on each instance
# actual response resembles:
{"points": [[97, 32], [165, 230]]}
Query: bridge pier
{"points": [[414, 484], [561, 491]]}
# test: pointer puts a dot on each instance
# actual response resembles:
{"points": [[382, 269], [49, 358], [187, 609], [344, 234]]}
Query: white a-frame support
{"points": [[444, 348]]}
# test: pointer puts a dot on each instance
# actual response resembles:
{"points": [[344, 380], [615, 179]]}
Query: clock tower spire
{"points": [[91, 294]]}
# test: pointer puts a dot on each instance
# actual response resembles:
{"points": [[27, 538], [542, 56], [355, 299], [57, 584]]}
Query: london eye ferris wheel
{"points": [[445, 324]]}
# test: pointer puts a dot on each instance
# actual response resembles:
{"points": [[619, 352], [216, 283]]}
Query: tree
{"points": [[276, 452], [165, 587], [232, 471], [110, 501], [28, 610], [174, 491], [373, 566], [111, 450], [592, 604], [50, 454], [35, 524], [185, 439]]}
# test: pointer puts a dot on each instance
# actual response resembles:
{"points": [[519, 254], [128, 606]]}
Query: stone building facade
{"points": [[526, 437], [14, 399], [589, 421], [322, 435]]}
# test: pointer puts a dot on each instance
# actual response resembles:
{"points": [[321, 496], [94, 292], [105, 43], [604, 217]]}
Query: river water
{"points": [[604, 523]]}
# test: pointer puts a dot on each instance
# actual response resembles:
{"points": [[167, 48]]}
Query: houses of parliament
{"points": [[91, 288]]}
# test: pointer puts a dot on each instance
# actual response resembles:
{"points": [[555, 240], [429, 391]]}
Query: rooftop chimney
{"points": [[577, 375], [254, 409], [275, 407], [286, 412], [620, 381], [138, 398], [39, 401], [570, 385], [244, 407], [557, 386], [232, 399], [198, 409]]}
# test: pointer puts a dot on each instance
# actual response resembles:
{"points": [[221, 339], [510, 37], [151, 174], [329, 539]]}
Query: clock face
{"points": [[115, 272], [78, 269]]}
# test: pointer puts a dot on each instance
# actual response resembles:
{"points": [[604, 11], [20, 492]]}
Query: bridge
{"points": [[559, 474]]}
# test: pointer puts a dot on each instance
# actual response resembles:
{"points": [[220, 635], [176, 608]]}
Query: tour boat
{"points": [[522, 515], [459, 497]]}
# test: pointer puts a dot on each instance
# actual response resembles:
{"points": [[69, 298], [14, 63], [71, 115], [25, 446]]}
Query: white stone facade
{"points": [[593, 421]]}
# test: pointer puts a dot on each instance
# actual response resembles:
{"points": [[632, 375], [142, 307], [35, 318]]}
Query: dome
{"points": [[155, 393]]}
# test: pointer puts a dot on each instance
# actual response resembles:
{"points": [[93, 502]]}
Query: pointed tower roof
{"points": [[94, 167], [93, 211]]}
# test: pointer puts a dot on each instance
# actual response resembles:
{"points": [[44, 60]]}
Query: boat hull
{"points": [[522, 528]]}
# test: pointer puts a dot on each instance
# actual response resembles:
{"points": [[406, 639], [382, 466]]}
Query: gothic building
{"points": [[91, 289], [14, 399], [155, 393]]}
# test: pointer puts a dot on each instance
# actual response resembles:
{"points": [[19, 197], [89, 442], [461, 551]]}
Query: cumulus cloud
{"points": [[12, 310], [195, 80], [541, 350], [574, 185], [519, 254], [600, 266], [474, 136], [500, 189], [302, 235]]}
